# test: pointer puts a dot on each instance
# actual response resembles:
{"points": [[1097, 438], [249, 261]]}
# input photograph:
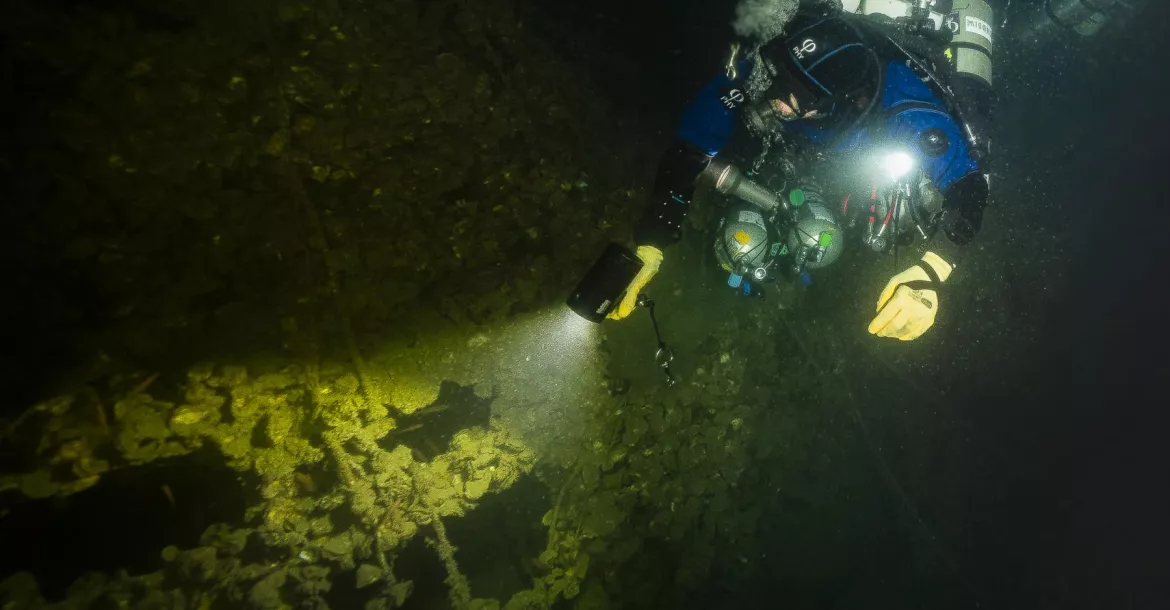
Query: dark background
{"points": [[1050, 361], [1057, 361]]}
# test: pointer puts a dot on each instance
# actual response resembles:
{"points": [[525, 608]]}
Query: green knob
{"points": [[796, 197]]}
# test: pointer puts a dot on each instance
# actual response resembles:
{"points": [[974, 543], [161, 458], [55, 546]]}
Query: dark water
{"points": [[1058, 473], [1015, 458]]}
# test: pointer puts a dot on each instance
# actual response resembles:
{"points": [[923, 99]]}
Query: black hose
{"points": [[878, 90], [873, 101], [897, 220], [914, 211], [918, 46]]}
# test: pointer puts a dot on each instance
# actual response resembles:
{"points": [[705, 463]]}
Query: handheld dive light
{"points": [[603, 285]]}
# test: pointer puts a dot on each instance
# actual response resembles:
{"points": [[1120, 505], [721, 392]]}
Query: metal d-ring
{"points": [[664, 356]]}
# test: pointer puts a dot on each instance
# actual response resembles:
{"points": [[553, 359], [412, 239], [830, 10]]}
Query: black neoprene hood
{"points": [[818, 60]]}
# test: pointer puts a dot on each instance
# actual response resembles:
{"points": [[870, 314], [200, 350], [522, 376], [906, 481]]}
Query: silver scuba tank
{"points": [[745, 245], [815, 238], [972, 24]]}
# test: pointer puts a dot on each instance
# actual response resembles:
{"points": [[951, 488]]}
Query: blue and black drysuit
{"points": [[910, 115]]}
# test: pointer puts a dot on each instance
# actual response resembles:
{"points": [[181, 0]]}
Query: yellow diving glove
{"points": [[909, 303], [651, 259]]}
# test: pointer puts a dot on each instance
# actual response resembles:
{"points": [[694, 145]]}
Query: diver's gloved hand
{"points": [[909, 303], [651, 259]]}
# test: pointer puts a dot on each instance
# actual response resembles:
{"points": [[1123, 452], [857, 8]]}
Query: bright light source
{"points": [[575, 332], [896, 164]]}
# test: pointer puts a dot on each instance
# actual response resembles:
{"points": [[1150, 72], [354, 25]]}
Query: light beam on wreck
{"points": [[548, 372]]}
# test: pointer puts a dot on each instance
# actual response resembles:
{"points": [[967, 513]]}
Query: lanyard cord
{"points": [[663, 356]]}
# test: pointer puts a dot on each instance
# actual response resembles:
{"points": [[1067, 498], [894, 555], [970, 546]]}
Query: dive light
{"points": [[604, 284], [896, 164]]}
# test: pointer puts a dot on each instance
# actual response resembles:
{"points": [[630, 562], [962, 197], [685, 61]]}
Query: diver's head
{"points": [[819, 68]]}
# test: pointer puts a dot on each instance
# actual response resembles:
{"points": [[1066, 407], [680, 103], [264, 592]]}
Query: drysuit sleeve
{"points": [[962, 216], [706, 126], [966, 198], [661, 223]]}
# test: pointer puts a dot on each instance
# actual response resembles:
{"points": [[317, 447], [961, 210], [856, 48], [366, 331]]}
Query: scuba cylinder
{"points": [[746, 243], [970, 21], [813, 237], [603, 285]]}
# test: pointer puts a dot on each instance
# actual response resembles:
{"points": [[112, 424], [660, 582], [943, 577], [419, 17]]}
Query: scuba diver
{"points": [[888, 112]]}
